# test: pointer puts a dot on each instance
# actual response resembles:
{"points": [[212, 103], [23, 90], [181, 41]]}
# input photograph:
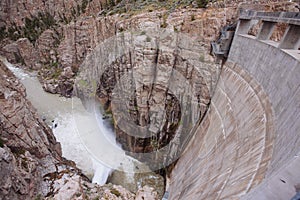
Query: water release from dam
{"points": [[67, 117]]}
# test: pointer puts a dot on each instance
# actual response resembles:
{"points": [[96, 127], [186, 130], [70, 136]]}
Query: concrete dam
{"points": [[248, 144]]}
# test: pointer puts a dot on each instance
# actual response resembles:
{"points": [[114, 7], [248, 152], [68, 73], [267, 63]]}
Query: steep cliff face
{"points": [[145, 47], [156, 83], [59, 42], [31, 165], [29, 150], [41, 22], [15, 12], [63, 33]]}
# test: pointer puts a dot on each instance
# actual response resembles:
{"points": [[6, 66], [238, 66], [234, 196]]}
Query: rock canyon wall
{"points": [[158, 63], [31, 162]]}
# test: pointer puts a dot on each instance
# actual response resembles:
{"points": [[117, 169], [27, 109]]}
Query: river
{"points": [[75, 128]]}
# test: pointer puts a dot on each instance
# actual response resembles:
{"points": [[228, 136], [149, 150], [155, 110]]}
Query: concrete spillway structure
{"points": [[248, 144]]}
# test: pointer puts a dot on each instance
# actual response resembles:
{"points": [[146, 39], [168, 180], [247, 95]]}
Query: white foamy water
{"points": [[101, 173]]}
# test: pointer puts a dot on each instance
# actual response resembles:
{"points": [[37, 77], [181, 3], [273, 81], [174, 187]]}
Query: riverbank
{"points": [[58, 111], [85, 137]]}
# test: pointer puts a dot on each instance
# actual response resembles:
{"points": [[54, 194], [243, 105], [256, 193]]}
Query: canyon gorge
{"points": [[199, 99]]}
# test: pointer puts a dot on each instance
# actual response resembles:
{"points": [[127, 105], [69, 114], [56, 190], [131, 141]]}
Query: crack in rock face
{"points": [[157, 87]]}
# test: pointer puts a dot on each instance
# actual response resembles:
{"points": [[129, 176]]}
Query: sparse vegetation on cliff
{"points": [[133, 7], [202, 3], [35, 25], [115, 192], [32, 29], [1, 143], [76, 11], [3, 33]]}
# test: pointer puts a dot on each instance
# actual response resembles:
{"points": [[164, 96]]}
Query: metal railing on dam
{"points": [[290, 40], [248, 144]]}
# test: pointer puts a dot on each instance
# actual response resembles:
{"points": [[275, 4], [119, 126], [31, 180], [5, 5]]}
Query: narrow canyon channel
{"points": [[78, 130]]}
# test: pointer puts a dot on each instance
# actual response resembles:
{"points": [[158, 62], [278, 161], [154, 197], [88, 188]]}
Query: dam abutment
{"points": [[247, 146]]}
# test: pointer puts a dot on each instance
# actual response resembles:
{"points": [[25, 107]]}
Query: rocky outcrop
{"points": [[62, 80], [138, 182], [31, 165], [16, 11], [40, 22], [22, 52], [63, 33], [46, 46], [29, 150], [84, 34]]}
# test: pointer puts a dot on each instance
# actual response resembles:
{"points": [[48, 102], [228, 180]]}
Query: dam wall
{"points": [[248, 144]]}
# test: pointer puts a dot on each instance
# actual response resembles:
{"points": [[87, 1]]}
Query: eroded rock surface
{"points": [[31, 158], [63, 33], [31, 165], [156, 84], [29, 149]]}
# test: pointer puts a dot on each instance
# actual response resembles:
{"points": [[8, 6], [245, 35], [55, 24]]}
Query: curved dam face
{"points": [[248, 144]]}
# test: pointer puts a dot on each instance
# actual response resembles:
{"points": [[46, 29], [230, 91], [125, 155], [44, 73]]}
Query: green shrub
{"points": [[192, 17], [1, 143], [202, 3], [38, 197], [111, 3], [175, 29], [148, 39], [84, 4], [164, 23], [56, 73], [3, 33], [202, 58], [115, 192], [32, 29], [17, 150]]}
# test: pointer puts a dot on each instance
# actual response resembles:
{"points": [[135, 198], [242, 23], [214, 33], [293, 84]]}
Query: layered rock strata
{"points": [[155, 84], [31, 164], [62, 35]]}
